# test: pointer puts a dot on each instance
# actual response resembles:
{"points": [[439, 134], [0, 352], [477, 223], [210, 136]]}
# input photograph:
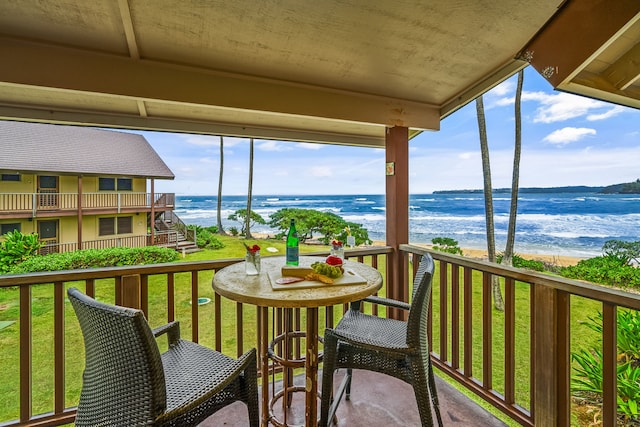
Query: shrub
{"points": [[207, 240], [96, 258], [587, 379], [17, 248], [624, 251], [606, 270], [446, 244], [519, 262]]}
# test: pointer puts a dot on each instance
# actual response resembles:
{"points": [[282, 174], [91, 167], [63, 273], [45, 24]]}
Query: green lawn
{"points": [[42, 318]]}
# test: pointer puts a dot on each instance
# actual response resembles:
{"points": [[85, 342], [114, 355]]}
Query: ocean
{"points": [[571, 224]]}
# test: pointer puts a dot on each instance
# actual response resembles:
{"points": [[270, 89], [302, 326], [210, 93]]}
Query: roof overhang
{"points": [[333, 71], [592, 48]]}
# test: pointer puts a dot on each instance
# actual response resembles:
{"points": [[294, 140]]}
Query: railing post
{"points": [[131, 296], [550, 340]]}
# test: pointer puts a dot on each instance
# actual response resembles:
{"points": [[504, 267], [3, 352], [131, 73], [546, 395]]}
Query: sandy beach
{"points": [[559, 260]]}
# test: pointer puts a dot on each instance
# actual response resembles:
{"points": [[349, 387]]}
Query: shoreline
{"points": [[481, 254]]}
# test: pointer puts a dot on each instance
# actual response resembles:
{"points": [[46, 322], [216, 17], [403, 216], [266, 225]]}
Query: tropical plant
{"points": [[624, 251], [498, 301], [248, 219], [219, 206], [446, 244], [241, 217], [309, 222], [587, 380], [508, 254], [16, 248]]}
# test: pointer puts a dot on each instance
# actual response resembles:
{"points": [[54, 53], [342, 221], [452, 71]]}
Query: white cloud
{"points": [[565, 106], [201, 140], [309, 146], [272, 146], [568, 134], [609, 113], [503, 88]]}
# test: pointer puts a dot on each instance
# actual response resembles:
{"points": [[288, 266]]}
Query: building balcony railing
{"points": [[517, 360], [168, 238], [32, 204]]}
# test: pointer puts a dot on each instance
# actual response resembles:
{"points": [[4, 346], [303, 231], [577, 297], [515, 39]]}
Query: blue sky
{"points": [[566, 140]]}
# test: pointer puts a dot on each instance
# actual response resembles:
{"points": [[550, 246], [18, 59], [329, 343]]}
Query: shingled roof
{"points": [[73, 150]]}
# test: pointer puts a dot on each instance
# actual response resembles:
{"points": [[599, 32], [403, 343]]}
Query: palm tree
{"points": [[219, 210], [498, 301], [247, 225], [515, 179]]}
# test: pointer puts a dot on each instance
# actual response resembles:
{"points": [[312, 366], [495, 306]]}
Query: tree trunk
{"points": [[498, 301], [219, 209], [515, 180], [247, 219]]}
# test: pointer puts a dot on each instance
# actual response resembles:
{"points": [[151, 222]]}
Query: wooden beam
{"points": [[577, 34], [626, 70], [68, 69]]}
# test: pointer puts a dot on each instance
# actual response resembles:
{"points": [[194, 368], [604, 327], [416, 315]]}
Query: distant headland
{"points": [[625, 188]]}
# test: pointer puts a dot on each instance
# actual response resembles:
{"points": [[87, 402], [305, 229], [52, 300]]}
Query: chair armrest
{"points": [[388, 302], [172, 330]]}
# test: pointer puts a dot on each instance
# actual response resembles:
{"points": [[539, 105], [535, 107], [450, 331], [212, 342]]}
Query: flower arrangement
{"points": [[252, 259], [337, 249]]}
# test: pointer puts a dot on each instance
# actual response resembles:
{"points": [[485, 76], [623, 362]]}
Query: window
{"points": [[106, 226], [8, 228], [106, 184], [125, 184], [10, 177], [113, 184], [125, 225], [115, 225]]}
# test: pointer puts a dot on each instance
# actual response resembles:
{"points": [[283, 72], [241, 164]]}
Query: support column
{"points": [[397, 208], [152, 221], [80, 212]]}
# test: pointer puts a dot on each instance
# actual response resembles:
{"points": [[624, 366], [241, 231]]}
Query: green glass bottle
{"points": [[293, 248]]}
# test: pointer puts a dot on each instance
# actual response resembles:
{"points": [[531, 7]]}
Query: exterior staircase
{"points": [[179, 237]]}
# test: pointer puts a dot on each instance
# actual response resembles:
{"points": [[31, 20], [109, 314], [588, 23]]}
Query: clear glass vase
{"points": [[337, 250], [252, 263]]}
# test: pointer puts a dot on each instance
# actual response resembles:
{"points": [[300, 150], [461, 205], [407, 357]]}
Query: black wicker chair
{"points": [[388, 346], [127, 382]]}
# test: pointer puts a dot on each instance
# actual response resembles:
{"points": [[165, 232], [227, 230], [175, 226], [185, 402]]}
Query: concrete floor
{"points": [[377, 400]]}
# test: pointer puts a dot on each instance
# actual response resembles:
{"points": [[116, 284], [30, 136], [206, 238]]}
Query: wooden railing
{"points": [[160, 238], [41, 380], [476, 346], [36, 202], [525, 375]]}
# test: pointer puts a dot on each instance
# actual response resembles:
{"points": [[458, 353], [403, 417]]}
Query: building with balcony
{"points": [[82, 188]]}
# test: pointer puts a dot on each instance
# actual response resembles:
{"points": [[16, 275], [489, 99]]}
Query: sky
{"points": [[566, 140]]}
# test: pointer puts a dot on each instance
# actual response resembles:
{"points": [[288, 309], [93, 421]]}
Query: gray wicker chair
{"points": [[127, 382], [388, 346]]}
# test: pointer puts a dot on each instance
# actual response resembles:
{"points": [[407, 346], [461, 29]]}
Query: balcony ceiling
{"points": [[336, 71]]}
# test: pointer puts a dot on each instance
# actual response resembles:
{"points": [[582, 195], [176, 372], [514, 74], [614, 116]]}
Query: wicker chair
{"points": [[388, 346], [127, 382]]}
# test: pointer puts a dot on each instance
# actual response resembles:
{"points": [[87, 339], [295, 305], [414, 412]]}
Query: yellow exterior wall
{"points": [[26, 226], [27, 184]]}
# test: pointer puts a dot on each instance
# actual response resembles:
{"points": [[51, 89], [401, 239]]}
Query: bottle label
{"points": [[292, 255]]}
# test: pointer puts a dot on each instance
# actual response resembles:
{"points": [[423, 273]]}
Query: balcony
{"points": [[32, 205], [516, 361]]}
